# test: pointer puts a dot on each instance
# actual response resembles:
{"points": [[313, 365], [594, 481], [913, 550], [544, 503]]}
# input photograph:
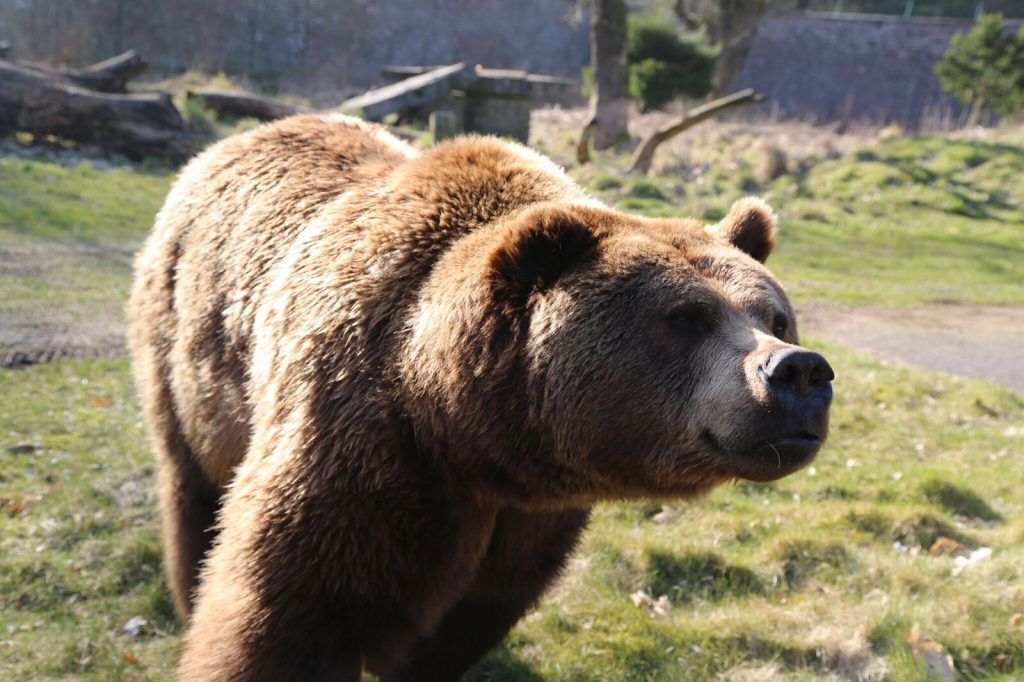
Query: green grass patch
{"points": [[911, 220], [68, 233], [79, 544], [907, 221], [802, 576], [820, 575], [80, 203]]}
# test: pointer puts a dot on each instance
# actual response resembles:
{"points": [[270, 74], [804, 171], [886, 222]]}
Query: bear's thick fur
{"points": [[384, 387]]}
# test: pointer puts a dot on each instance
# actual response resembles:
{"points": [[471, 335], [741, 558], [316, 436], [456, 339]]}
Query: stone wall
{"points": [[312, 47], [853, 68]]}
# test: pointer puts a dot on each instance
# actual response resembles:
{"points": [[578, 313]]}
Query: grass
{"points": [[78, 528], [68, 233], [913, 210], [100, 206], [802, 577], [885, 225], [824, 574]]}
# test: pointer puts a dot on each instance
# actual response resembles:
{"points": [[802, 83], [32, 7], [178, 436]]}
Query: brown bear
{"points": [[385, 386]]}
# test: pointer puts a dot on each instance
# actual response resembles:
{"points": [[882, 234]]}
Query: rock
{"points": [[666, 514], [134, 627], [656, 607], [963, 562], [937, 661]]}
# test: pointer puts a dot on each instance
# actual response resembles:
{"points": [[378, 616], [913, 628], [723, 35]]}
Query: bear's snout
{"points": [[798, 375], [799, 383]]}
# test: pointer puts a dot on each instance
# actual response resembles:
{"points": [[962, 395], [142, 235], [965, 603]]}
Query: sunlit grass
{"points": [[822, 573], [906, 221]]}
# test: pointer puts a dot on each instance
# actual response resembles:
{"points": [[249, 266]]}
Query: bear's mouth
{"points": [[796, 445], [781, 456], [772, 458]]}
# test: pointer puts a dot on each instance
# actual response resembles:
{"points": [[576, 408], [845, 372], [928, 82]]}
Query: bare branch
{"points": [[644, 154]]}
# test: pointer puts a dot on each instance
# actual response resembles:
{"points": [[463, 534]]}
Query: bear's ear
{"points": [[536, 251], [750, 227]]}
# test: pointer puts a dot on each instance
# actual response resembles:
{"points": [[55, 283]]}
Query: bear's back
{"points": [[236, 208], [310, 230], [231, 216]]}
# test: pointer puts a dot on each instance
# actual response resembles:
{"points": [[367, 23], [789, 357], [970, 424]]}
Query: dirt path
{"points": [[984, 342], [61, 300], [28, 338]]}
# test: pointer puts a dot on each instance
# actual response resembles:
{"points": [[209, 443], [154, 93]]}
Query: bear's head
{"points": [[573, 352]]}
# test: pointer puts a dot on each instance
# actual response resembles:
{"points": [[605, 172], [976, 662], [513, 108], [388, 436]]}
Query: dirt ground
{"points": [[28, 338], [49, 325], [983, 342]]}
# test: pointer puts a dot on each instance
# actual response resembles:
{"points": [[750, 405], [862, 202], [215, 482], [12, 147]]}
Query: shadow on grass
{"points": [[917, 529], [502, 664], [960, 501], [700, 575], [804, 558]]}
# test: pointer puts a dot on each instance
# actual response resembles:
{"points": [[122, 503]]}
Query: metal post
{"points": [[909, 9]]}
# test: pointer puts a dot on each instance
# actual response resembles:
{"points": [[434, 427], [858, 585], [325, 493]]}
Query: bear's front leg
{"points": [[244, 628], [526, 553], [329, 551]]}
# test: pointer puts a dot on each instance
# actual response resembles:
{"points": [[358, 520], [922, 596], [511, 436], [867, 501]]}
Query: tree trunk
{"points": [[737, 27], [134, 125], [732, 24], [244, 106], [110, 75], [730, 61], [609, 100], [644, 154], [977, 111]]}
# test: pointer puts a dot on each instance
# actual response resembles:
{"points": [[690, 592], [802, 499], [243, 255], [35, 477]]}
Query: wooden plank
{"points": [[495, 82], [404, 95]]}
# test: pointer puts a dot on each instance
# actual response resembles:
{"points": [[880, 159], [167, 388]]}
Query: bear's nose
{"points": [[798, 371]]}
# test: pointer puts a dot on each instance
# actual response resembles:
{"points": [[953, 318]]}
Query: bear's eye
{"points": [[780, 324], [693, 321]]}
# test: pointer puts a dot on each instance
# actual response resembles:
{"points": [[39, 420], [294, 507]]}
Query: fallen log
{"points": [[135, 125], [110, 75], [644, 155], [240, 105]]}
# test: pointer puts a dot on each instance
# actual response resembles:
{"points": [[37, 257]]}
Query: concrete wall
{"points": [[304, 46], [862, 67]]}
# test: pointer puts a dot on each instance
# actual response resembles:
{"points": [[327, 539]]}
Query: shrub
{"points": [[644, 188], [665, 64], [984, 67]]}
